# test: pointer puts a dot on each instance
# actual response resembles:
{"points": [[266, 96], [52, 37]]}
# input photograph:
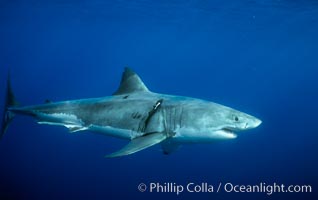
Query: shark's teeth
{"points": [[231, 135], [225, 134]]}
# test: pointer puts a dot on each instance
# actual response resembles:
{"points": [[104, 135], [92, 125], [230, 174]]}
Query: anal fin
{"points": [[139, 144]]}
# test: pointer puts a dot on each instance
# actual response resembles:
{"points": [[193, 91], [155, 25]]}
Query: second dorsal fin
{"points": [[130, 83]]}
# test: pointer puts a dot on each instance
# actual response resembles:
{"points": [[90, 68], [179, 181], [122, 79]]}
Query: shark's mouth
{"points": [[227, 132]]}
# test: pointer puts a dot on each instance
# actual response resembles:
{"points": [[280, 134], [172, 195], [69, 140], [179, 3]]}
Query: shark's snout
{"points": [[253, 123], [258, 122]]}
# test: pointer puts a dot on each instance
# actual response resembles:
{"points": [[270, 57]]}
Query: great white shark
{"points": [[136, 114]]}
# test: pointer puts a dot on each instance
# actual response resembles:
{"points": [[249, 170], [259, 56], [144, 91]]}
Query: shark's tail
{"points": [[8, 115]]}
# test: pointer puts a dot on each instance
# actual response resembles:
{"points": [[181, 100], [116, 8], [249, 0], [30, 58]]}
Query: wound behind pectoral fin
{"points": [[155, 108], [136, 115]]}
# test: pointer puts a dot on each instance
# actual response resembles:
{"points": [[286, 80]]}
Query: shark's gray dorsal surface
{"points": [[130, 82], [134, 113]]}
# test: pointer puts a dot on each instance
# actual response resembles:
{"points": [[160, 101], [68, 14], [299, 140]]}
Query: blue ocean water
{"points": [[257, 56]]}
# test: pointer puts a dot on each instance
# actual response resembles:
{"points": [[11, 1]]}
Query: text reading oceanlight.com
{"points": [[268, 189]]}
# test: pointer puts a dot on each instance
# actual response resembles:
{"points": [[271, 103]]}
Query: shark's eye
{"points": [[236, 118]]}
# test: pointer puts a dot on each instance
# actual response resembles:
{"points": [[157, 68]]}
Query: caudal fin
{"points": [[8, 115]]}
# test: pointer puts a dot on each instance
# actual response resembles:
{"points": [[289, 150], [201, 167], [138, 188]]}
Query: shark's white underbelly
{"points": [[114, 132], [75, 124]]}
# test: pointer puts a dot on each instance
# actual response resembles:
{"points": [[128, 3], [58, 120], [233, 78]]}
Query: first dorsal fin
{"points": [[130, 83]]}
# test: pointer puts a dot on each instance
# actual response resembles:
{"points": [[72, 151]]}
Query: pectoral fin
{"points": [[139, 144]]}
